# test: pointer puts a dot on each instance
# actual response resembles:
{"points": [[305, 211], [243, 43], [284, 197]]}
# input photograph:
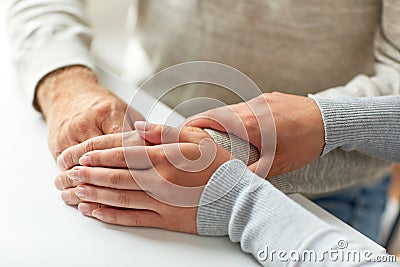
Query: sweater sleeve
{"points": [[270, 226], [368, 125], [47, 35]]}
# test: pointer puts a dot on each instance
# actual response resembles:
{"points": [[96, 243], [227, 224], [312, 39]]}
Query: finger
{"points": [[104, 177], [205, 123], [86, 208], [69, 197], [81, 130], [164, 134], [136, 157], [144, 218], [116, 197], [131, 116], [63, 181], [70, 157], [213, 119], [224, 119]]}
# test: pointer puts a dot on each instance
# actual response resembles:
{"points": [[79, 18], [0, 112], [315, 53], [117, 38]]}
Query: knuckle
{"points": [[120, 155], [124, 200], [81, 125], [134, 220], [110, 140], [104, 108], [66, 182], [95, 159], [88, 145], [69, 158], [84, 174], [114, 179], [91, 193]]}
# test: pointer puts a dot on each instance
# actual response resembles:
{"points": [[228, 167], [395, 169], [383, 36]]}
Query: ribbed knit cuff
{"points": [[219, 197], [352, 121], [238, 203], [239, 148]]}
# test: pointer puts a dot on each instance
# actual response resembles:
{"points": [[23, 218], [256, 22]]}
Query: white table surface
{"points": [[37, 229]]}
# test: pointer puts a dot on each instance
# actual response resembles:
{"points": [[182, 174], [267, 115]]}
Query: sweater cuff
{"points": [[219, 197], [239, 148], [50, 57], [238, 203]]}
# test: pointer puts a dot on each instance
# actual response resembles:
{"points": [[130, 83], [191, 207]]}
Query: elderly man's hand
{"points": [[77, 108]]}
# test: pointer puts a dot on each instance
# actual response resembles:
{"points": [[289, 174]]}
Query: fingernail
{"points": [[65, 196], [58, 184], [61, 163], [142, 125], [80, 191], [83, 207], [84, 160], [98, 214], [74, 174]]}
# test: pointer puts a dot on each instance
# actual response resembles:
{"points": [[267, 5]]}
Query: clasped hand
{"points": [[126, 178], [150, 177]]}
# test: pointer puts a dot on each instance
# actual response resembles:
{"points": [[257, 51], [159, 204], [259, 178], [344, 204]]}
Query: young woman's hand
{"points": [[157, 185]]}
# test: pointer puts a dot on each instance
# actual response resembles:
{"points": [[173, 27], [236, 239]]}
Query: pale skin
{"points": [[106, 187]]}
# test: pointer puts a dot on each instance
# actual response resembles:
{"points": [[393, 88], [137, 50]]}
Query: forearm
{"points": [[263, 217], [46, 36]]}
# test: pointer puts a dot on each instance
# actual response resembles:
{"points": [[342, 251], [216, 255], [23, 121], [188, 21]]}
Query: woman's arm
{"points": [[368, 125], [272, 227]]}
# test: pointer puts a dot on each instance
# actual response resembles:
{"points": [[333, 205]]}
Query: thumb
{"points": [[205, 123], [164, 134], [213, 119]]}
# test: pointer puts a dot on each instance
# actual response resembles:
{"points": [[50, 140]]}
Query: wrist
{"points": [[62, 84], [317, 125]]}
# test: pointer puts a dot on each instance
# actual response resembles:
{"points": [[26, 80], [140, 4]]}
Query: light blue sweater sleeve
{"points": [[269, 225]]}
